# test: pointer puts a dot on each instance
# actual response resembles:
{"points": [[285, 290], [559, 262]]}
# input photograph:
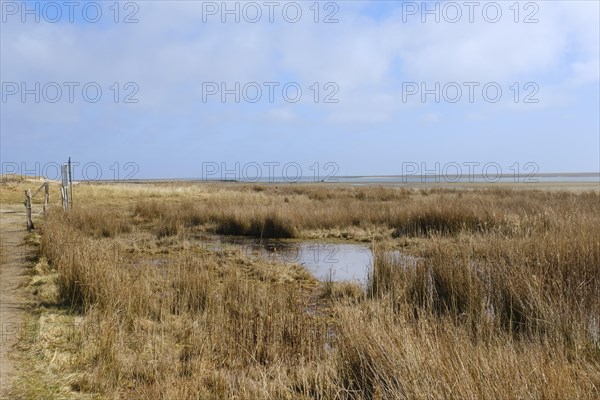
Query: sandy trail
{"points": [[13, 300]]}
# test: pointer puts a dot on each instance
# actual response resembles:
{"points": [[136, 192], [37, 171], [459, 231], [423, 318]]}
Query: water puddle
{"points": [[335, 261], [326, 261]]}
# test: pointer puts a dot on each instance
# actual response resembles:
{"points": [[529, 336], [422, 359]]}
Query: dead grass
{"points": [[502, 303]]}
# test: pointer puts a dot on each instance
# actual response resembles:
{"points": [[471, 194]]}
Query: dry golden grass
{"points": [[502, 303], [358, 213], [12, 189]]}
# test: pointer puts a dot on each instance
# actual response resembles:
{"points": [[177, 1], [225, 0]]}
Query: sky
{"points": [[190, 89]]}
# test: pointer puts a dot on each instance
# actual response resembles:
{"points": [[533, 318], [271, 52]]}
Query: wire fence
{"points": [[66, 194]]}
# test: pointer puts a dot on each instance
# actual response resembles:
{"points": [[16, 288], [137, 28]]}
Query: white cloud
{"points": [[170, 52]]}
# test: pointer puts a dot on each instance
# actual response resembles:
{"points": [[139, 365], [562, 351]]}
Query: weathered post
{"points": [[64, 190], [46, 195], [70, 183], [62, 197], [28, 209]]}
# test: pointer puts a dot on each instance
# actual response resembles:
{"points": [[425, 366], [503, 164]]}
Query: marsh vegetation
{"points": [[504, 301]]}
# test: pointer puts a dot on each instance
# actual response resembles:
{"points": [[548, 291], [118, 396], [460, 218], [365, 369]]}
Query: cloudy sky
{"points": [[367, 86]]}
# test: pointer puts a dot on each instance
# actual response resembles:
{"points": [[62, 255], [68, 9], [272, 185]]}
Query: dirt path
{"points": [[13, 301]]}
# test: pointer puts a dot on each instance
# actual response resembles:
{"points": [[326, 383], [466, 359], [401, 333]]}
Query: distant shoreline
{"points": [[540, 175], [416, 178], [539, 178]]}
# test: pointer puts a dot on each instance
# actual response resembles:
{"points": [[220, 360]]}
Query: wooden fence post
{"points": [[63, 193], [46, 195], [28, 209], [70, 184]]}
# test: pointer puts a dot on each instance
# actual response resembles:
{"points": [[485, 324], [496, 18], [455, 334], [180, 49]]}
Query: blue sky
{"points": [[367, 61]]}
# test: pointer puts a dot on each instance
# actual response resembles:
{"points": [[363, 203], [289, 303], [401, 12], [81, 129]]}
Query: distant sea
{"points": [[592, 177]]}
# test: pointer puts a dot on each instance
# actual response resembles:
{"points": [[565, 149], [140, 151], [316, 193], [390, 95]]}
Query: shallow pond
{"points": [[326, 261]]}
